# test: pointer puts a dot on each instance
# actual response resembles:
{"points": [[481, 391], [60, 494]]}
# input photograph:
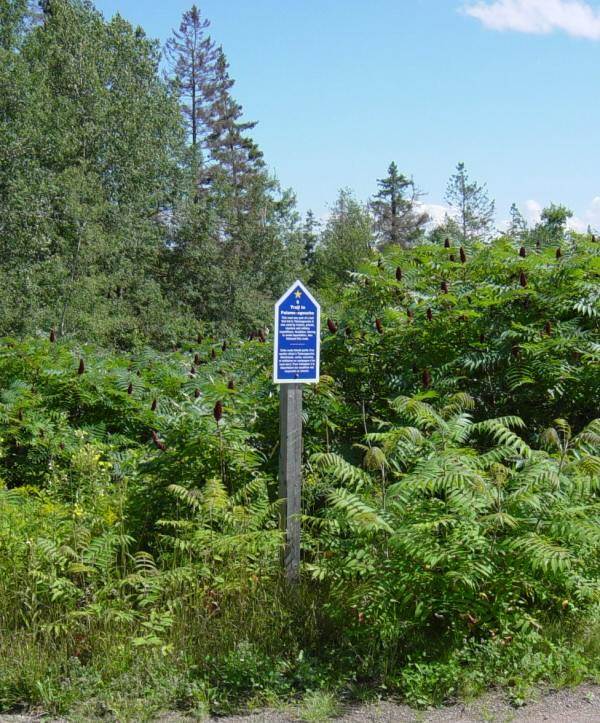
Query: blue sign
{"points": [[297, 337]]}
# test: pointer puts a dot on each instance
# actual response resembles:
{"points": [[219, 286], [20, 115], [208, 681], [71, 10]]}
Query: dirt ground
{"points": [[572, 705]]}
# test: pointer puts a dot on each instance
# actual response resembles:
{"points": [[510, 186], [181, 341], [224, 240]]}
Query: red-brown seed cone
{"points": [[261, 336], [398, 274], [548, 328], [81, 369], [516, 350], [429, 314], [426, 378], [452, 257], [348, 331], [153, 405], [447, 243], [130, 388], [197, 361], [379, 326], [463, 255], [213, 354], [192, 370], [199, 338], [52, 336], [231, 384], [332, 326], [218, 411], [224, 347], [558, 253], [161, 445], [522, 252], [538, 244], [410, 313], [196, 393], [523, 279], [593, 239], [444, 287]]}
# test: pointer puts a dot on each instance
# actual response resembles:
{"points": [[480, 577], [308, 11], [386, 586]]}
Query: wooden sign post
{"points": [[295, 362]]}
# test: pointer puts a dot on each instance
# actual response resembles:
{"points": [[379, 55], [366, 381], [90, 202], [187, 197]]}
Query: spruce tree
{"points": [[470, 204], [236, 159], [517, 228], [398, 220], [192, 54]]}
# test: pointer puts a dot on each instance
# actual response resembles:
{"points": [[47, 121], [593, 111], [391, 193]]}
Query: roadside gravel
{"points": [[570, 705]]}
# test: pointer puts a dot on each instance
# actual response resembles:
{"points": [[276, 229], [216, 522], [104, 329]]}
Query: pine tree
{"points": [[471, 205], [236, 158], [517, 228], [193, 54], [397, 219]]}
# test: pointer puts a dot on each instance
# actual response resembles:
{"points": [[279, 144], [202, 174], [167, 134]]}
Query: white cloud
{"points": [[437, 212], [590, 217], [533, 211], [577, 18]]}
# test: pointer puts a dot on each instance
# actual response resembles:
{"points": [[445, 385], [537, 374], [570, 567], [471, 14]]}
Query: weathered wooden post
{"points": [[295, 362]]}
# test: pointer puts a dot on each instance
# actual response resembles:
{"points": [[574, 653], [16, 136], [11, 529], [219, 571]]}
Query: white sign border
{"points": [[315, 379]]}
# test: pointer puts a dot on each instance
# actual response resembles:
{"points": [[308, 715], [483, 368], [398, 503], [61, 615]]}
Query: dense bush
{"points": [[451, 508]]}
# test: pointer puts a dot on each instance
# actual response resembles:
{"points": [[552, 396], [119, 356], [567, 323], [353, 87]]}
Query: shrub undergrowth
{"points": [[450, 501]]}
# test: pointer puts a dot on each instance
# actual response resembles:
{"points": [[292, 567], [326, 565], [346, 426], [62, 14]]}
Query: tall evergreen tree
{"points": [[398, 220], [471, 205], [193, 54], [517, 228], [237, 160]]}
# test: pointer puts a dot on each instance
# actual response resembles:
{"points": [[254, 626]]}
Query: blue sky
{"points": [[342, 87]]}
